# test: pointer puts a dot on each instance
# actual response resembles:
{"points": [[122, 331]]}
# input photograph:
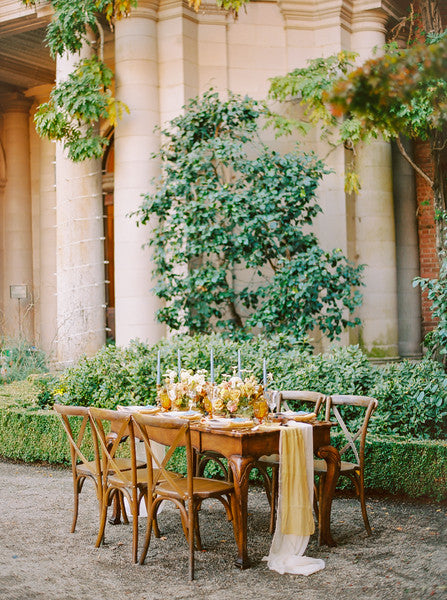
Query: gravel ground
{"points": [[40, 560]]}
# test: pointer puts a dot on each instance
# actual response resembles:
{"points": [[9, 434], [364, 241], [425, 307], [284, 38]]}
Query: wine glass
{"points": [[271, 397], [260, 409]]}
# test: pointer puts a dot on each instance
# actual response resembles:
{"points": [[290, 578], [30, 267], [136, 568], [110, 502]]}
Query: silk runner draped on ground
{"points": [[294, 521]]}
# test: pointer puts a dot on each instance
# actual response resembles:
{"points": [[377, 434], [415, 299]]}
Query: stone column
{"points": [[80, 250], [312, 30], [2, 227], [374, 216], [17, 236], [136, 71], [45, 244]]}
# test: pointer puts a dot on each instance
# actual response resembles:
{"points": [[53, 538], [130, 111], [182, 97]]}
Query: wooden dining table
{"points": [[243, 448]]}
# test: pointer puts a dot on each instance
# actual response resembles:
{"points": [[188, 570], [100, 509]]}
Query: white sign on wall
{"points": [[19, 292]]}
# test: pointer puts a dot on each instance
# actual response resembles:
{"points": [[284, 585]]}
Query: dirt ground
{"points": [[40, 560]]}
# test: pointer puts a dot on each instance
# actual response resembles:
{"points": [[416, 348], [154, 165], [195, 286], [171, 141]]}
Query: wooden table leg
{"points": [[241, 467], [115, 518], [332, 458]]}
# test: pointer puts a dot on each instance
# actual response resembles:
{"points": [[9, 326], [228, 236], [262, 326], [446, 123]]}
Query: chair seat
{"points": [[202, 488], [122, 463], [319, 465], [269, 459], [345, 467], [141, 477], [87, 469]]}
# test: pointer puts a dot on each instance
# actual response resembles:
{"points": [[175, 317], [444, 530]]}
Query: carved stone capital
{"points": [[15, 102], [147, 9]]}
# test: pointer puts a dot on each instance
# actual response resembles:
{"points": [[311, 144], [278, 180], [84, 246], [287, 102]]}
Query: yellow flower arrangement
{"points": [[233, 396]]}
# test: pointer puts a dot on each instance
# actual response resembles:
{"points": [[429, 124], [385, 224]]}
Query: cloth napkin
{"points": [[294, 521]]}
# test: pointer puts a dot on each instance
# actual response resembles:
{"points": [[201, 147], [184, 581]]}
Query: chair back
{"points": [[75, 441], [172, 433], [313, 400], [348, 420], [111, 428]]}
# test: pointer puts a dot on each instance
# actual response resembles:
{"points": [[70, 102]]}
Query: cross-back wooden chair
{"points": [[81, 467], [355, 439], [298, 399], [187, 493], [130, 482]]}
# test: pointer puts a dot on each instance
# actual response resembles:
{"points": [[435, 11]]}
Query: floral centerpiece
{"points": [[185, 392], [237, 396], [233, 396]]}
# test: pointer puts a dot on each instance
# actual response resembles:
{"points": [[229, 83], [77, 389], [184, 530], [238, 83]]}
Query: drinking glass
{"points": [[271, 397]]}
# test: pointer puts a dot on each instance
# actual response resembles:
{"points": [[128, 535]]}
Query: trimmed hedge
{"points": [[417, 468], [36, 436]]}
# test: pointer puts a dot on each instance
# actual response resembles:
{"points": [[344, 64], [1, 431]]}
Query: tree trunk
{"points": [[430, 16]]}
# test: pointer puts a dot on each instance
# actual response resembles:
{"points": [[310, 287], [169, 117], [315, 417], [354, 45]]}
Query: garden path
{"points": [[40, 560]]}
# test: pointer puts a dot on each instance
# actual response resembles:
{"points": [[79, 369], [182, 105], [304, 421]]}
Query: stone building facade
{"points": [[70, 257]]}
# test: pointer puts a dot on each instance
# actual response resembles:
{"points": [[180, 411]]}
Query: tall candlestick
{"points": [[179, 364], [212, 365], [158, 368], [264, 374], [239, 371]]}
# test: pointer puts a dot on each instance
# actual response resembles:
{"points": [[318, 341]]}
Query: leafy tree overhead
{"points": [[226, 203], [77, 105]]}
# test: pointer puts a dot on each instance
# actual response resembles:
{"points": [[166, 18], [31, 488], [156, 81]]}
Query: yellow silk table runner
{"points": [[296, 511], [294, 519]]}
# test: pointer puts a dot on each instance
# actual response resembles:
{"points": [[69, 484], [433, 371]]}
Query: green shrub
{"points": [[412, 396], [18, 360], [412, 400]]}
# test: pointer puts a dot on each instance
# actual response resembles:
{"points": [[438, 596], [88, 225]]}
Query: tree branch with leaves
{"points": [[78, 104]]}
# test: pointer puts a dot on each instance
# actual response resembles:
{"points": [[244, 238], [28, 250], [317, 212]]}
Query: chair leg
{"points": [[123, 508], [316, 492], [155, 523], [191, 530], [135, 532], [197, 531], [76, 490], [234, 520], [150, 518], [266, 481], [361, 494], [102, 521]]}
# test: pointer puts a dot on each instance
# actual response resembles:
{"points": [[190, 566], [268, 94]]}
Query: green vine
{"points": [[78, 104]]}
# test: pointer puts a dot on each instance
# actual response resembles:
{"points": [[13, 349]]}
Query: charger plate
{"points": [[230, 423], [150, 409], [299, 416], [191, 415]]}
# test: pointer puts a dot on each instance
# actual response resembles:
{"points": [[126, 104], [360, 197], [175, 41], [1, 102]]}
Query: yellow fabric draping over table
{"points": [[294, 520], [296, 513]]}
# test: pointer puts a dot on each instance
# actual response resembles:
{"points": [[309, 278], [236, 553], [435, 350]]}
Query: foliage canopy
{"points": [[232, 230], [402, 92]]}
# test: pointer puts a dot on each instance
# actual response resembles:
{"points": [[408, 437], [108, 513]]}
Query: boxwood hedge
{"points": [[417, 468]]}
